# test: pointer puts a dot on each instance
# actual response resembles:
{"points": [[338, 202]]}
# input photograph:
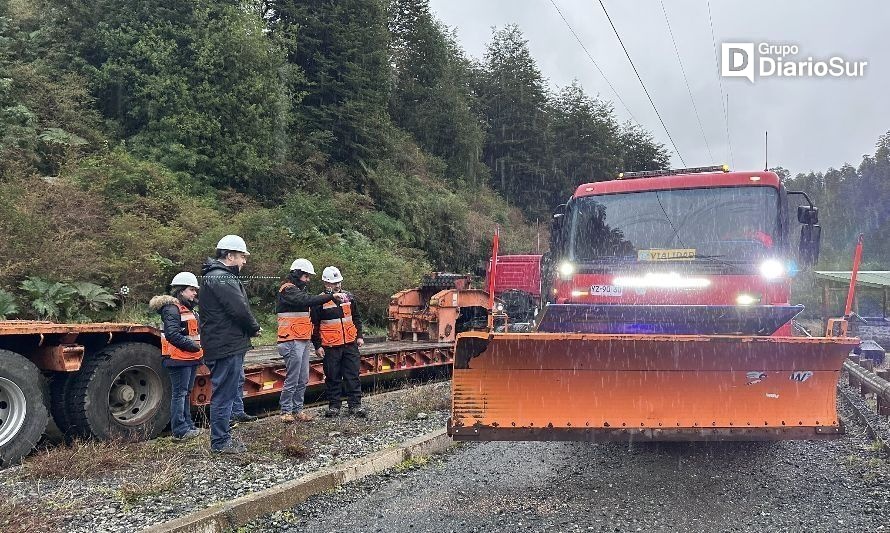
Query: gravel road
{"points": [[839, 485]]}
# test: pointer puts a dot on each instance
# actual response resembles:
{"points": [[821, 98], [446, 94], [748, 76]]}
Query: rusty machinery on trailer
{"points": [[438, 309], [689, 340]]}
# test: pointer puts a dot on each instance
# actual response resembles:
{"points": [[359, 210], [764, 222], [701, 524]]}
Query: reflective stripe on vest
{"points": [[294, 325], [338, 331], [187, 317]]}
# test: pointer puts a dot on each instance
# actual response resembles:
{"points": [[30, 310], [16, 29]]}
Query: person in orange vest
{"points": [[337, 336], [293, 307], [181, 349]]}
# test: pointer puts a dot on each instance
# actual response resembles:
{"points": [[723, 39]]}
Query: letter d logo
{"points": [[737, 60]]}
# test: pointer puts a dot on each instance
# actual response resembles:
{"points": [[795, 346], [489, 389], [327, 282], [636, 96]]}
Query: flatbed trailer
{"points": [[264, 369], [105, 380]]}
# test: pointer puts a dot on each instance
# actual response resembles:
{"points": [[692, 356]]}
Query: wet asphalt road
{"points": [[837, 485]]}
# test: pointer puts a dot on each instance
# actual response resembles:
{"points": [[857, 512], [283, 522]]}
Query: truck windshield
{"points": [[732, 223]]}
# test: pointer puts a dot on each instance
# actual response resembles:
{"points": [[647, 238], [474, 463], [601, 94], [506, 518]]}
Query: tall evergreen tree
{"points": [[342, 48], [638, 149], [585, 134], [515, 103], [196, 86], [431, 97]]}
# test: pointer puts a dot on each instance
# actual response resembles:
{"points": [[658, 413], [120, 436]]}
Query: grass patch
{"points": [[80, 459], [412, 463], [876, 446], [426, 399], [22, 517], [159, 481], [295, 445], [87, 459]]}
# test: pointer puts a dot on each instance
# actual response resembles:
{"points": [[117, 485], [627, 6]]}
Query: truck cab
{"points": [[702, 236]]}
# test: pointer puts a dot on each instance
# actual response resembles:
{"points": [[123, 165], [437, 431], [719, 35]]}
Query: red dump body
{"points": [[519, 272]]}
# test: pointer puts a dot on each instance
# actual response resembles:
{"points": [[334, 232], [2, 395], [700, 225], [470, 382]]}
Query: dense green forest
{"points": [[851, 201], [135, 133]]}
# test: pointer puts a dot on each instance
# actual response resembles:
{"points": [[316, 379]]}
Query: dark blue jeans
{"points": [[238, 400], [224, 376], [182, 379]]}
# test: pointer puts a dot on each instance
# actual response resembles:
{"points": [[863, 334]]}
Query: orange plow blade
{"points": [[564, 386]]}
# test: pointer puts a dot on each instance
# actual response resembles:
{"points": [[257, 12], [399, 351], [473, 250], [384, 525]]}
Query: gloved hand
{"points": [[320, 352]]}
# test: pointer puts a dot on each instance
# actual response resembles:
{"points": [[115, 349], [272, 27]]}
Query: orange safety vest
{"points": [[338, 331], [191, 325], [294, 325]]}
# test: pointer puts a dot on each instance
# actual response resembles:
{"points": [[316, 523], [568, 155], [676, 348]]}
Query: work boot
{"points": [[303, 416], [244, 417], [358, 411], [288, 418], [190, 434], [332, 412], [233, 447]]}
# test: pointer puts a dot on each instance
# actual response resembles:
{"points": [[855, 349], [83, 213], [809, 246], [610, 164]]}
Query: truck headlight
{"points": [[566, 269], [772, 269], [747, 299]]}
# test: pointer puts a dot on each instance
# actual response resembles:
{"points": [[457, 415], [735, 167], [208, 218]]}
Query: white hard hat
{"points": [[331, 275], [184, 279], [303, 265], [233, 243]]}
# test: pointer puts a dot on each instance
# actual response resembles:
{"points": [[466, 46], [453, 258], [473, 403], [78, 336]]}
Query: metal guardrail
{"points": [[863, 375]]}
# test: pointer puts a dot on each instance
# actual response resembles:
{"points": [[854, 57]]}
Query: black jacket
{"points": [[174, 332], [331, 313], [295, 299], [226, 321]]}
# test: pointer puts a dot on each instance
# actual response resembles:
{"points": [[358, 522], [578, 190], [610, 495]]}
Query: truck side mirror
{"points": [[810, 237], [807, 214]]}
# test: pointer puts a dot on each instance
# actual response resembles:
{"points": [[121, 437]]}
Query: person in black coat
{"points": [[227, 325], [181, 349], [337, 337]]}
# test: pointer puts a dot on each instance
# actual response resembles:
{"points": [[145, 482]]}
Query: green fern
{"points": [[61, 137], [8, 306], [49, 299], [94, 297]]}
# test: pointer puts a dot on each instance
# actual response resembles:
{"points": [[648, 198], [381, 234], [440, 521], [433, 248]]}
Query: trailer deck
{"points": [[264, 369]]}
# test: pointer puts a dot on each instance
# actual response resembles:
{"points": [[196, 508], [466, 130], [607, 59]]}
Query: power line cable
{"points": [[589, 56], [686, 81], [651, 101], [723, 98]]}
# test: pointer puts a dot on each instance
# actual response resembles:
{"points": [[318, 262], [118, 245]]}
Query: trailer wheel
{"points": [[120, 391], [59, 384], [23, 415]]}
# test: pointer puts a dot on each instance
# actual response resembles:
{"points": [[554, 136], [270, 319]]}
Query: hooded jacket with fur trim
{"points": [[174, 330]]}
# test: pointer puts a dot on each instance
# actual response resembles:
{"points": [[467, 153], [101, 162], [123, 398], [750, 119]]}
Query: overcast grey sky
{"points": [[813, 123]]}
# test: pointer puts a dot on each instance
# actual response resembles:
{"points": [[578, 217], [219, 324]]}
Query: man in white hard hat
{"points": [[227, 325], [293, 307], [337, 337], [180, 348]]}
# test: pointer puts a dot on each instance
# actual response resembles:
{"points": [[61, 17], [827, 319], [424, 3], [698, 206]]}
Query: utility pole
{"points": [[766, 151]]}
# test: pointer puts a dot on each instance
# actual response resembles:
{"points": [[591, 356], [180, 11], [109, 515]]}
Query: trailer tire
{"points": [[23, 414], [122, 391], [59, 385]]}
